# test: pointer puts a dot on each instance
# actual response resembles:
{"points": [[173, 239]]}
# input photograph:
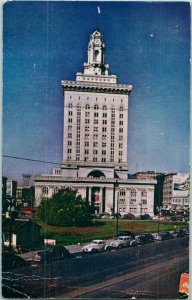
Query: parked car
{"points": [[173, 233], [144, 238], [145, 217], [128, 216], [180, 232], [124, 233], [11, 261], [163, 236], [94, 246], [51, 253], [123, 241]]}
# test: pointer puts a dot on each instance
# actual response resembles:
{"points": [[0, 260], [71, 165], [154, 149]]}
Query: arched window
{"points": [[96, 107], [121, 108], [87, 106], [104, 107], [70, 105], [96, 55], [45, 190], [133, 193], [55, 190], [144, 193]]}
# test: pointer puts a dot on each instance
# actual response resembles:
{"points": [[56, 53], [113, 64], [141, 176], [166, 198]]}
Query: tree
{"points": [[66, 208]]}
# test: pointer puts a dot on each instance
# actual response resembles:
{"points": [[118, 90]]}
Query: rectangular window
{"points": [[70, 113], [95, 136], [104, 137], [112, 129], [69, 150], [86, 136], [120, 153], [70, 135], [104, 129], [96, 114], [104, 115], [103, 144], [121, 137], [95, 129], [86, 121], [95, 144], [86, 151], [103, 159], [94, 158], [121, 116], [120, 145], [121, 129], [104, 122], [69, 143], [69, 127], [86, 128], [87, 113], [103, 152], [96, 121], [86, 144], [120, 123]]}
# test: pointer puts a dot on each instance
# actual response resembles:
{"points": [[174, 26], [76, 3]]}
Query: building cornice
{"points": [[53, 178], [96, 87]]}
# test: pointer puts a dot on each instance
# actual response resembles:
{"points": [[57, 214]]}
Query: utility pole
{"points": [[117, 212]]}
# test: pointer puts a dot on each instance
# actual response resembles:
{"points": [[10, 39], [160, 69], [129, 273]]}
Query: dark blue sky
{"points": [[147, 45]]}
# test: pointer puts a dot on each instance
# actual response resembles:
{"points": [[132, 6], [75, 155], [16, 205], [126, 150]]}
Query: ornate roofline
{"points": [[95, 87]]}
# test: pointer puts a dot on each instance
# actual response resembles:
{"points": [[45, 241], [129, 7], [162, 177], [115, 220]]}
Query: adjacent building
{"points": [[176, 191], [95, 142]]}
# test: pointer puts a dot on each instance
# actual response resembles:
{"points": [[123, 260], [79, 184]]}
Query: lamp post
{"points": [[10, 215], [159, 211], [117, 213]]}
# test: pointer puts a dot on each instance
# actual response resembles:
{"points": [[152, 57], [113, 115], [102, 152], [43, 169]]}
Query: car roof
{"points": [[98, 241], [124, 236]]}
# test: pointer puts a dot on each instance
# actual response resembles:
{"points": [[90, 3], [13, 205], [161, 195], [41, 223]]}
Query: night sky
{"points": [[147, 46]]}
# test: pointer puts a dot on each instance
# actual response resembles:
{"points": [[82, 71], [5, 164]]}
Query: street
{"points": [[151, 268]]}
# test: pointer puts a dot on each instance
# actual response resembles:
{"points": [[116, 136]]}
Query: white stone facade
{"points": [[95, 142]]}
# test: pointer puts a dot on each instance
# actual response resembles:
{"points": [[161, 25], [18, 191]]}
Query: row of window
{"points": [[122, 193], [96, 107]]}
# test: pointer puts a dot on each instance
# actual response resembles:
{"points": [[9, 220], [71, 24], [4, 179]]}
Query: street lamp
{"points": [[117, 213], [10, 215], [159, 211]]}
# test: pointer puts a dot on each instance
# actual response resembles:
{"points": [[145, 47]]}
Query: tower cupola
{"points": [[95, 64]]}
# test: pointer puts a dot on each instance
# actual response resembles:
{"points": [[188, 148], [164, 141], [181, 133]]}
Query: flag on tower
{"points": [[98, 10]]}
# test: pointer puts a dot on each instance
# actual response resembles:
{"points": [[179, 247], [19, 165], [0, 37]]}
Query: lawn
{"points": [[103, 229]]}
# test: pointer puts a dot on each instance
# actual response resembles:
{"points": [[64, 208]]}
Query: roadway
{"points": [[152, 268]]}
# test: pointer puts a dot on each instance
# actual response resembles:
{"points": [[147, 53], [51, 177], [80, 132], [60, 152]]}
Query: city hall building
{"points": [[95, 139]]}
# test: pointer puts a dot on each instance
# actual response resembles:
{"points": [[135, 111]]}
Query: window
{"points": [[103, 159], [103, 144], [94, 159], [69, 127], [87, 106], [96, 107], [144, 201], [95, 151], [69, 150], [86, 151], [86, 136], [87, 113], [104, 129], [120, 130], [69, 143], [95, 136], [104, 107], [133, 193], [86, 121], [45, 190], [104, 115], [120, 153], [121, 137], [103, 152], [96, 114], [120, 145], [86, 128], [70, 135], [70, 104], [86, 144], [96, 121], [120, 123], [144, 193], [121, 116], [95, 144], [55, 190], [104, 122], [104, 137], [121, 108], [95, 129], [70, 113]]}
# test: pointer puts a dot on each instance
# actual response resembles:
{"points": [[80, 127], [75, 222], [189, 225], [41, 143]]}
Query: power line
{"points": [[29, 159]]}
